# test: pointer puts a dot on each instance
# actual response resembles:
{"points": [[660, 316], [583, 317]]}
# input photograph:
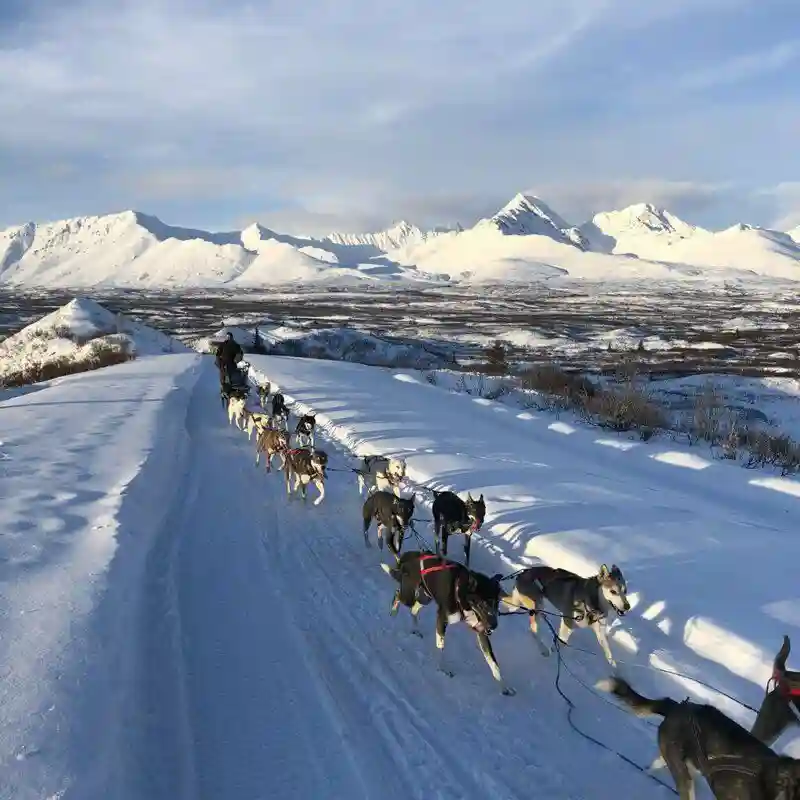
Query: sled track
{"points": [[300, 684]]}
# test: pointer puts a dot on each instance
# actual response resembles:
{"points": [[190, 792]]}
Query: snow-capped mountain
{"points": [[528, 215], [641, 229], [399, 235], [525, 240], [135, 249]]}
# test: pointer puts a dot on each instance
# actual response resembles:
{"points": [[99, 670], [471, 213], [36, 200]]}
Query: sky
{"points": [[348, 115]]}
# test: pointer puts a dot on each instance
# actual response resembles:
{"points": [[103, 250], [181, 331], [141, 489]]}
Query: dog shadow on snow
{"points": [[682, 568]]}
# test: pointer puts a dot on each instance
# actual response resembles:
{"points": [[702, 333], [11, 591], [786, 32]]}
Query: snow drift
{"points": [[81, 335]]}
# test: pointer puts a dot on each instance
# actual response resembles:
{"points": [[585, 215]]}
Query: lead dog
{"points": [[736, 765], [451, 515], [460, 594], [582, 602], [379, 472], [304, 431], [304, 467], [781, 705], [272, 443], [390, 512]]}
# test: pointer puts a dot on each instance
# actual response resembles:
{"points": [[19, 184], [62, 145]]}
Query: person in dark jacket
{"points": [[228, 355]]}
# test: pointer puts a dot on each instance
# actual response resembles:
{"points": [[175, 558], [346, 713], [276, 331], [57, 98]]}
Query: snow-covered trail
{"points": [[300, 685]]}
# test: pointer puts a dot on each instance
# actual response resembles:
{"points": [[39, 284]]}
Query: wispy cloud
{"points": [[745, 67], [358, 113]]}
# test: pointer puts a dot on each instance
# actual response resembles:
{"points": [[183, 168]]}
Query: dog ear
{"points": [[480, 499], [469, 497], [603, 573]]}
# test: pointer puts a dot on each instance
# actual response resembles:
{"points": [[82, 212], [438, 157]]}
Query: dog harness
{"points": [[787, 687], [468, 617], [437, 567]]}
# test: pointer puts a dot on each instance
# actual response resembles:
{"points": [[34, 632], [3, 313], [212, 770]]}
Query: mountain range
{"points": [[525, 241]]}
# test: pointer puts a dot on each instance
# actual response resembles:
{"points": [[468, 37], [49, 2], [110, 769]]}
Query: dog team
{"points": [[693, 739]]}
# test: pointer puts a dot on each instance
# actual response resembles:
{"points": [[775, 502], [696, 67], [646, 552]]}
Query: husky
{"points": [[452, 515], [272, 443], [237, 411], [304, 467], [781, 705], [263, 394], [279, 418], [379, 472], [694, 736], [460, 594], [390, 512], [304, 431], [258, 422], [583, 602]]}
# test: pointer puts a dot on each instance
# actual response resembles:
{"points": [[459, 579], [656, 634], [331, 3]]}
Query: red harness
{"points": [[437, 567], [784, 685]]}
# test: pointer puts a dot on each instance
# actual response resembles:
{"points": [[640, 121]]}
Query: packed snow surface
{"points": [[175, 627]]}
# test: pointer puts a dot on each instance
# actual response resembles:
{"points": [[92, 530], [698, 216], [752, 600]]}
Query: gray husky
{"points": [[699, 738], [583, 602], [304, 466]]}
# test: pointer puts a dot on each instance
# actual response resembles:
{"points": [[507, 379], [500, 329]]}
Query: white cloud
{"points": [[338, 110]]}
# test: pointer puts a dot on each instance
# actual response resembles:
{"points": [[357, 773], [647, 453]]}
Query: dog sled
{"points": [[235, 381]]}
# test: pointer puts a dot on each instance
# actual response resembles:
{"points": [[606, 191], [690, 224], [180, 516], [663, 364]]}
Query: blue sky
{"points": [[349, 114]]}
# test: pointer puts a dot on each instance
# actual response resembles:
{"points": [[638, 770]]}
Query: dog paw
{"points": [[508, 691], [415, 632], [448, 672]]}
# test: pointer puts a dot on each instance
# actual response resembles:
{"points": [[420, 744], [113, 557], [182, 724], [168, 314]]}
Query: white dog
{"points": [[237, 411], [381, 473]]}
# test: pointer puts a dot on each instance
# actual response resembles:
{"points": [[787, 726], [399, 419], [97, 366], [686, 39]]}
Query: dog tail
{"points": [[640, 705]]}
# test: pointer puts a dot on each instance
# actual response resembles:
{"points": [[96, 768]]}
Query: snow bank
{"points": [[89, 470], [689, 540], [80, 333]]}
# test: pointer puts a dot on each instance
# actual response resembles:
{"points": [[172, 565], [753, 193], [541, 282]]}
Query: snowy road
{"points": [[299, 684]]}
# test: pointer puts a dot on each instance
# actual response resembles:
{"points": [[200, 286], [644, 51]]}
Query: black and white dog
{"points": [[460, 594], [736, 765], [263, 394], [279, 418], [452, 515], [781, 705], [304, 431], [582, 602], [391, 513]]}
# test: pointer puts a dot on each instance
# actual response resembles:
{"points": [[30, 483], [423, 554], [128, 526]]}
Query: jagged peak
{"points": [[642, 217]]}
